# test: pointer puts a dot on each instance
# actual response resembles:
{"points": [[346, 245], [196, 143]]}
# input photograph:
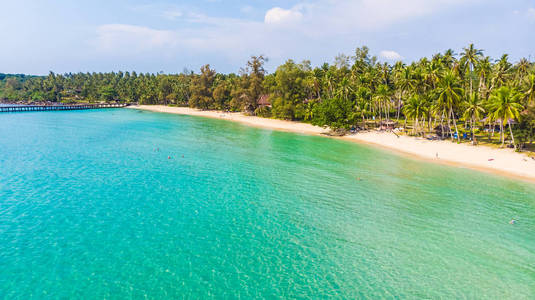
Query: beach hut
{"points": [[263, 101], [387, 125]]}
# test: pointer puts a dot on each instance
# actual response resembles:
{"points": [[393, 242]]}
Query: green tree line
{"points": [[445, 91]]}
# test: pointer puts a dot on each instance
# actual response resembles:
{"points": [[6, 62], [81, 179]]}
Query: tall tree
{"points": [[505, 106], [202, 88], [449, 95], [415, 108], [470, 57], [473, 112], [529, 94]]}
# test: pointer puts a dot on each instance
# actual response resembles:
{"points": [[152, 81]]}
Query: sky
{"points": [[170, 36]]}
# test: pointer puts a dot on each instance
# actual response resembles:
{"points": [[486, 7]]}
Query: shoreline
{"points": [[504, 162]]}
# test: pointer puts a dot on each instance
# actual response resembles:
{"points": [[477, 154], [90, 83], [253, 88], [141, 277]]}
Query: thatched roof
{"points": [[387, 123], [263, 100]]}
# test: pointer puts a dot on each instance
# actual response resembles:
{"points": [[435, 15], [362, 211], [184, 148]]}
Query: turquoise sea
{"points": [[91, 207]]}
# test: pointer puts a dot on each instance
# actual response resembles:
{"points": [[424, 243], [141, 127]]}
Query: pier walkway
{"points": [[21, 108]]}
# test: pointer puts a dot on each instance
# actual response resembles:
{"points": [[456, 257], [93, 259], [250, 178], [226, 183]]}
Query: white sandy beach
{"points": [[238, 117], [501, 161]]}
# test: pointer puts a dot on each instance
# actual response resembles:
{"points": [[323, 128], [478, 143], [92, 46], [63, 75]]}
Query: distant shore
{"points": [[499, 161]]}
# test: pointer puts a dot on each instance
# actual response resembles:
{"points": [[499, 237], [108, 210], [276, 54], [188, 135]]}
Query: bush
{"points": [[335, 113], [263, 111]]}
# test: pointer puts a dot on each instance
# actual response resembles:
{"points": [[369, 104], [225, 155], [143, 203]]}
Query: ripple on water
{"points": [[89, 208]]}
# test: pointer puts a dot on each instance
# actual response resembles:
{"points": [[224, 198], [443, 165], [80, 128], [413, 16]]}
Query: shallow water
{"points": [[91, 206]]}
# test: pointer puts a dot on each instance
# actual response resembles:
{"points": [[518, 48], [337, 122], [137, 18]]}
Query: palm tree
{"points": [[384, 73], [501, 72], [473, 111], [522, 68], [362, 107], [504, 106], [470, 57], [344, 89], [405, 83], [415, 108], [420, 83], [449, 96], [363, 103], [396, 74], [448, 59], [484, 70], [329, 81], [432, 73], [314, 83], [529, 94], [382, 98]]}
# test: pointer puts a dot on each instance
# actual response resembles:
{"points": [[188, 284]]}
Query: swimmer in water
{"points": [[512, 222]]}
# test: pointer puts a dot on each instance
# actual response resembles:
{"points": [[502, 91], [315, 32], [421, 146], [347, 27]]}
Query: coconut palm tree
{"points": [[344, 89], [432, 73], [314, 83], [529, 93], [501, 72], [362, 108], [382, 99], [448, 59], [397, 74], [384, 73], [363, 103], [405, 83], [484, 71], [504, 106], [415, 108], [473, 112], [522, 69], [329, 81], [449, 96], [420, 83], [470, 57]]}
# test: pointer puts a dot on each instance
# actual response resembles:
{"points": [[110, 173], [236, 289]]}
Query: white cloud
{"points": [[172, 14], [531, 12], [212, 37], [161, 10], [133, 38], [342, 16], [247, 9], [298, 32], [279, 15], [390, 55]]}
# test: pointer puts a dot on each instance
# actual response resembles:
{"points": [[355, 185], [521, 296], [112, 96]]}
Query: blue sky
{"points": [[151, 36]]}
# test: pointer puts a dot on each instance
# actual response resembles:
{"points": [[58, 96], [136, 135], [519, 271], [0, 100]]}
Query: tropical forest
{"points": [[465, 96]]}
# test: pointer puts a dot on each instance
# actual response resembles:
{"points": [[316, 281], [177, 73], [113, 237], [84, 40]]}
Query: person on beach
{"points": [[437, 155]]}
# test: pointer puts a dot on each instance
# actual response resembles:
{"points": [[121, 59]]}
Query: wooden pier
{"points": [[21, 108]]}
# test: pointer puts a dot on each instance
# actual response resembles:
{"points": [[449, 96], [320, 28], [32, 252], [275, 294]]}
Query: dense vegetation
{"points": [[446, 94]]}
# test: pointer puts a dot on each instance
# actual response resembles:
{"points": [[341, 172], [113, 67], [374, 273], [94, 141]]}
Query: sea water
{"points": [[121, 204]]}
